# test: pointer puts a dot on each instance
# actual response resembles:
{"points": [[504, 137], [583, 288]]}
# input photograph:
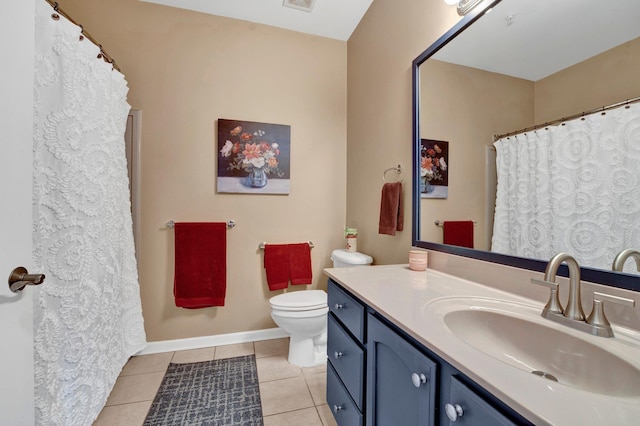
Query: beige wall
{"points": [[381, 49], [185, 70], [466, 107], [605, 79]]}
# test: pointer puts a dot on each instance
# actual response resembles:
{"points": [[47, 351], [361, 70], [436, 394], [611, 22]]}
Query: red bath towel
{"points": [[200, 264], [458, 233], [391, 209], [300, 264], [276, 264]]}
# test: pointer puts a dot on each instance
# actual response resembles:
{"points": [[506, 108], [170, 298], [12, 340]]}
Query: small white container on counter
{"points": [[418, 260]]}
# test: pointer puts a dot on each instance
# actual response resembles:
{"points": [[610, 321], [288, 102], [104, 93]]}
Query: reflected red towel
{"points": [[458, 233], [276, 264], [391, 209], [300, 264], [200, 277]]}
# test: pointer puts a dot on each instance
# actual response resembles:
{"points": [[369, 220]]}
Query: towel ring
{"points": [[398, 170]]}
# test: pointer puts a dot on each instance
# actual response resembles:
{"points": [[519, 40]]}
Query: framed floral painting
{"points": [[253, 157], [434, 168]]}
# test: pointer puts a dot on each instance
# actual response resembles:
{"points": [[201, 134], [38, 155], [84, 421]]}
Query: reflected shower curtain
{"points": [[87, 314], [571, 188]]}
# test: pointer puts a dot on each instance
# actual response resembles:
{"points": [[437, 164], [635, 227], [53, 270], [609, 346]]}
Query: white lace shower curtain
{"points": [[87, 315], [571, 188]]}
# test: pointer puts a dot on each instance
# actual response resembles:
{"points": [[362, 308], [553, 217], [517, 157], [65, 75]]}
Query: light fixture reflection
{"points": [[463, 6]]}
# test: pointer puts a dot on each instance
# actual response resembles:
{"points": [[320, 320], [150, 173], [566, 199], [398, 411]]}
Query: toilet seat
{"points": [[306, 300]]}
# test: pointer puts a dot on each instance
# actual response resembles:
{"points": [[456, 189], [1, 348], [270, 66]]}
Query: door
{"points": [[401, 380], [16, 133], [466, 408]]}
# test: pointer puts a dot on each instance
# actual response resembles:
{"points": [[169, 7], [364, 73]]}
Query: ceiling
{"points": [[565, 32], [535, 39], [335, 19]]}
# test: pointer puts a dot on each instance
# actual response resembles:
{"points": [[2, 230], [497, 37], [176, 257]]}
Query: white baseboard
{"points": [[216, 340]]}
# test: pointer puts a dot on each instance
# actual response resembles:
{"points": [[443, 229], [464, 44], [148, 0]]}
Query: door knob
{"points": [[20, 278], [418, 379], [453, 411]]}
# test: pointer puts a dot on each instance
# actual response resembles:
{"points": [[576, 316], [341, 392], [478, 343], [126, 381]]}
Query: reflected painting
{"points": [[434, 169], [253, 157]]}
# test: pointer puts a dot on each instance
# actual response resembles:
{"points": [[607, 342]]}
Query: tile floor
{"points": [[290, 395]]}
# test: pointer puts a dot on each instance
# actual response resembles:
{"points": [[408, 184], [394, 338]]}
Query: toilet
{"points": [[343, 258], [303, 314]]}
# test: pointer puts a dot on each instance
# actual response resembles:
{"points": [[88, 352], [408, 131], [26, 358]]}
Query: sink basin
{"points": [[516, 335]]}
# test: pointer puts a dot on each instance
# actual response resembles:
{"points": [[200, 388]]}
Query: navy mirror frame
{"points": [[600, 276]]}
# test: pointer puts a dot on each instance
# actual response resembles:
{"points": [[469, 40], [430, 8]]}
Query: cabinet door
{"points": [[401, 380], [465, 407]]}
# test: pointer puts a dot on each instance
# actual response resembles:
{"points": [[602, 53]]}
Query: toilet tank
{"points": [[342, 258]]}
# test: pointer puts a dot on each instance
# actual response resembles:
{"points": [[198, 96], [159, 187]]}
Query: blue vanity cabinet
{"points": [[401, 380], [346, 355], [463, 407], [348, 310], [344, 409], [378, 375]]}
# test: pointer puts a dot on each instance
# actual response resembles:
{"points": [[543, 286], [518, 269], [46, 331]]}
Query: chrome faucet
{"points": [[573, 315], [622, 257]]}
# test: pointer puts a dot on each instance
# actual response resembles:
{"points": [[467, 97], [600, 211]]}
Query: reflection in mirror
{"points": [[528, 63]]}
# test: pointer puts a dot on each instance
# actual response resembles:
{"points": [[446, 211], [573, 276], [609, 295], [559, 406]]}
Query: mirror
{"points": [[501, 72]]}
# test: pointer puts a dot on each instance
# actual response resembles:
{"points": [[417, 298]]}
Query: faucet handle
{"points": [[614, 299], [597, 317], [553, 304]]}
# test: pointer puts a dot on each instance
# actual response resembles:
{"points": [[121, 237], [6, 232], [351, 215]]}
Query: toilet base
{"points": [[307, 352]]}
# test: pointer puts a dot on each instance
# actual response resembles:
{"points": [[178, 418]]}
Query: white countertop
{"points": [[401, 296]]}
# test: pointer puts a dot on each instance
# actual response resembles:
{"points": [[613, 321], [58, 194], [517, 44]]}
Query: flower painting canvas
{"points": [[253, 157], [434, 169]]}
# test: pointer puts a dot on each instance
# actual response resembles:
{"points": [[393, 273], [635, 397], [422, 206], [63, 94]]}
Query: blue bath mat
{"points": [[219, 392]]}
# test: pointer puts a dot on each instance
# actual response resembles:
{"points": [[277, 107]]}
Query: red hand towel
{"points": [[276, 264], [300, 264], [391, 209], [458, 233], [200, 264]]}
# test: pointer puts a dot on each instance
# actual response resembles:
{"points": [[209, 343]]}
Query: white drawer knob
{"points": [[339, 306], [453, 411], [418, 379], [337, 354], [337, 408]]}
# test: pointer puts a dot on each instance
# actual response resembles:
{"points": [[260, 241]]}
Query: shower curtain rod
{"points": [[601, 110], [103, 54]]}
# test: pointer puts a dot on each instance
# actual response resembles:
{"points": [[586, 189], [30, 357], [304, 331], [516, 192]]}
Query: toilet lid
{"points": [[351, 258], [300, 300]]}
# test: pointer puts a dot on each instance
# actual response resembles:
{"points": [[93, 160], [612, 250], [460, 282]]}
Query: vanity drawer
{"points": [[471, 408], [348, 310], [344, 410], [346, 356]]}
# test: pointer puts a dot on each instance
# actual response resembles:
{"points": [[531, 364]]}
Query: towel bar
{"points": [[262, 244], [438, 222], [230, 224]]}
